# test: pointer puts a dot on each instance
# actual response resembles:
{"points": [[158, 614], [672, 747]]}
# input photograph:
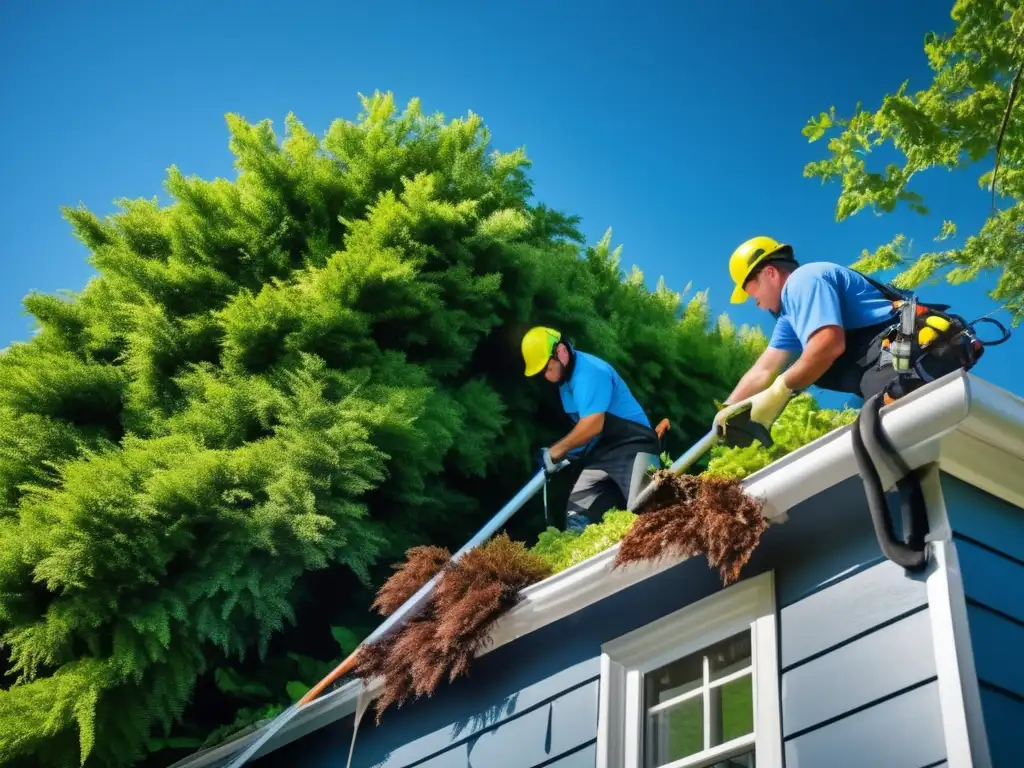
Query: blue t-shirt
{"points": [[821, 293], [596, 387]]}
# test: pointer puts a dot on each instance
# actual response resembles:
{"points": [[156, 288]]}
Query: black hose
{"points": [[912, 554]]}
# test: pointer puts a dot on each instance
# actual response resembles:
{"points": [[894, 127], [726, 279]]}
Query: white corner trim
{"points": [[624, 661], [963, 722], [767, 692], [611, 719]]}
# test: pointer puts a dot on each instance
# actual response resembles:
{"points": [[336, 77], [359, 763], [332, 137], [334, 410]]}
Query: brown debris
{"points": [[420, 566], [443, 638], [689, 516]]}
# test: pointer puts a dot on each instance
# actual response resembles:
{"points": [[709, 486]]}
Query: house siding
{"points": [[532, 703], [988, 534], [858, 678], [859, 684]]}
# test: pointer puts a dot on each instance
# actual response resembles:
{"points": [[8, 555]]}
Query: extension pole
{"points": [[419, 599], [406, 610]]}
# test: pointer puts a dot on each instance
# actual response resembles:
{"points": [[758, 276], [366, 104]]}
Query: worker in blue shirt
{"points": [[612, 437], [837, 324]]}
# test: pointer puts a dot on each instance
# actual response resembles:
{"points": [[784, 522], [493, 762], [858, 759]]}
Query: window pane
{"points": [[732, 710], [673, 679], [729, 655], [675, 732]]}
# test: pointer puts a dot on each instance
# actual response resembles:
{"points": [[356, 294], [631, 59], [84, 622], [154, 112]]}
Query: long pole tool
{"points": [[416, 603]]}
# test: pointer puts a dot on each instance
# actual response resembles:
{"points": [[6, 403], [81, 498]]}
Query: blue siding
{"points": [[1003, 717], [848, 617], [989, 537], [858, 672], [529, 704], [873, 667], [905, 730]]}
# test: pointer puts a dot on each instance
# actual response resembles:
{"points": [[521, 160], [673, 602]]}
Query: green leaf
{"points": [[231, 682], [174, 742], [347, 638], [296, 690], [819, 126], [952, 123]]}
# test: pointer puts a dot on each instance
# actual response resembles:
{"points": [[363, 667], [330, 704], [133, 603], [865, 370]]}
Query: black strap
{"points": [[891, 293], [895, 294]]}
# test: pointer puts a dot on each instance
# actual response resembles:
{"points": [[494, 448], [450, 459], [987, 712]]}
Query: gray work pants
{"points": [[612, 482]]}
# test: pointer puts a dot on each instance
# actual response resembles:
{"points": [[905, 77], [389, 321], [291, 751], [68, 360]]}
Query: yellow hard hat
{"points": [[538, 344], [745, 258]]}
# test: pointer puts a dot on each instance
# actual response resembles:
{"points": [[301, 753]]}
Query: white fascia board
{"points": [[987, 449], [973, 429]]}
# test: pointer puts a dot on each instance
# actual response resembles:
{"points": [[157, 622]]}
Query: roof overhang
{"points": [[972, 429]]}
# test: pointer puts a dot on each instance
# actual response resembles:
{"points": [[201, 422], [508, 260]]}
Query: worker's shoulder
{"points": [[840, 277], [812, 270], [590, 360], [593, 364]]}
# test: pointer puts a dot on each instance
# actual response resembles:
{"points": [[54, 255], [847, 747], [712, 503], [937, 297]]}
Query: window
{"points": [[698, 688]]}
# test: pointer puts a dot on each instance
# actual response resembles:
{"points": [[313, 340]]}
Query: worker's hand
{"points": [[547, 463], [764, 407]]}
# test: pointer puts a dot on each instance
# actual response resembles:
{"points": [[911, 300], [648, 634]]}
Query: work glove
{"points": [[764, 407], [549, 465]]}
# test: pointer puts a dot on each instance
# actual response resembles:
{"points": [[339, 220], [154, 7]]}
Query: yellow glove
{"points": [[764, 407]]}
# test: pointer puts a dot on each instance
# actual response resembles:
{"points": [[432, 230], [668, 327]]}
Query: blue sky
{"points": [[675, 124]]}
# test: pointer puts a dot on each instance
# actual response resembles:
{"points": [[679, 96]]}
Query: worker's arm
{"points": [[814, 326], [586, 429], [823, 348], [592, 393], [760, 375]]}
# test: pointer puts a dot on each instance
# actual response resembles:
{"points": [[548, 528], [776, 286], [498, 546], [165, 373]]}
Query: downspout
{"points": [[868, 432]]}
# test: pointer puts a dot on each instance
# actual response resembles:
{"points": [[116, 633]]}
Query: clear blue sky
{"points": [[677, 123]]}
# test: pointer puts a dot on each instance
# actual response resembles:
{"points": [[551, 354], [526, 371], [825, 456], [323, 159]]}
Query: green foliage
{"points": [[969, 114], [801, 423], [562, 549], [274, 386]]}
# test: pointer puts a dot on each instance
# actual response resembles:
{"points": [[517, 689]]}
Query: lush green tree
{"points": [[970, 114], [274, 386]]}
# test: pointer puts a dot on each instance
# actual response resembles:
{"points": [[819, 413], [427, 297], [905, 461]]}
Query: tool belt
{"points": [[927, 341]]}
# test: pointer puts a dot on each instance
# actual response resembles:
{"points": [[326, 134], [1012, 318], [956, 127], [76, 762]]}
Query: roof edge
{"points": [[919, 425]]}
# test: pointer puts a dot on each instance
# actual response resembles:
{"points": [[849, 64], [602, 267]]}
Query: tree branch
{"points": [[1002, 129]]}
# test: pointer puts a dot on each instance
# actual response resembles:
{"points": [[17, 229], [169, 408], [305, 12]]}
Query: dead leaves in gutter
{"points": [[685, 516], [691, 516]]}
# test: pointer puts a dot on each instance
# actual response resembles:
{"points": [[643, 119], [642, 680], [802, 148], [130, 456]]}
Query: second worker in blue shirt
{"points": [[612, 435]]}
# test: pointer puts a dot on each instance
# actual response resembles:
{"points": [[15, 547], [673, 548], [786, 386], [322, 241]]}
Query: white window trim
{"points": [[625, 660]]}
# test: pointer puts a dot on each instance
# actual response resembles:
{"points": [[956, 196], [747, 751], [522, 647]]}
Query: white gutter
{"points": [[919, 426]]}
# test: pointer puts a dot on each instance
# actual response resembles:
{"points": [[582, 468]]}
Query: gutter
{"points": [[919, 426]]}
